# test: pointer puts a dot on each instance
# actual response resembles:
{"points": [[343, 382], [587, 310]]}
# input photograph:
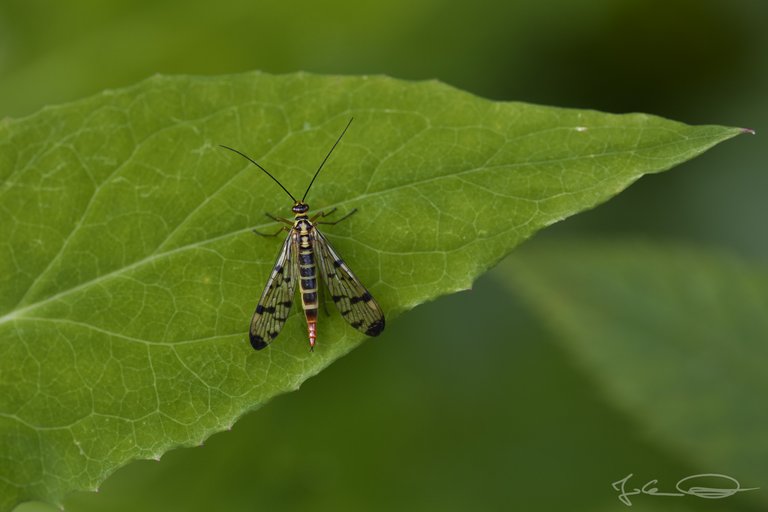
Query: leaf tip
{"points": [[748, 131]]}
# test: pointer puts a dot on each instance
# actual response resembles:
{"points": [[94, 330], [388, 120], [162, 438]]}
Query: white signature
{"points": [[684, 486]]}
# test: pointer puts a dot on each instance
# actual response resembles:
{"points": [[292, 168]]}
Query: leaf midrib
{"points": [[18, 313]]}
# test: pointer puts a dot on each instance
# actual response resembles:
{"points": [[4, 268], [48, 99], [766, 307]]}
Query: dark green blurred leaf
{"points": [[470, 405], [676, 338], [129, 272]]}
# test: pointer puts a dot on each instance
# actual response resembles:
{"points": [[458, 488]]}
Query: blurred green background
{"points": [[469, 402]]}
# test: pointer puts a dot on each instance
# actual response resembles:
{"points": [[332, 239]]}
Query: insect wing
{"points": [[354, 302], [277, 297]]}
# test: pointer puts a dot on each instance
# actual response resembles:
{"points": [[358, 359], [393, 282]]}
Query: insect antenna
{"points": [[254, 162], [324, 159]]}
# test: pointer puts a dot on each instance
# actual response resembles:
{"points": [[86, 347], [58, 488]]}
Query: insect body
{"points": [[304, 254]]}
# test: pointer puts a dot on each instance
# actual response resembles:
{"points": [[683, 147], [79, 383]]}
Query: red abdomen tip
{"points": [[312, 326]]}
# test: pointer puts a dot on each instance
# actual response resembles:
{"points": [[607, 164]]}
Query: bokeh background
{"points": [[469, 402]]}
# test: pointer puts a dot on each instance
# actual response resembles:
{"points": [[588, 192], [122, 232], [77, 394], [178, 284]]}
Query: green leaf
{"points": [[676, 338], [130, 273]]}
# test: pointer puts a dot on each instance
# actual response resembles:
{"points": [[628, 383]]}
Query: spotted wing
{"points": [[277, 297], [355, 303]]}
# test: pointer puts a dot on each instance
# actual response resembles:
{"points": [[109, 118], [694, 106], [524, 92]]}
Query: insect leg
{"points": [[257, 232], [325, 214], [279, 219], [276, 219]]}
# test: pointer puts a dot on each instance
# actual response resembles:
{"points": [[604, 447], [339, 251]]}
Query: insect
{"points": [[304, 253]]}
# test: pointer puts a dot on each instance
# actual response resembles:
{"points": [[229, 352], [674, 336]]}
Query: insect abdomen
{"points": [[308, 278]]}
